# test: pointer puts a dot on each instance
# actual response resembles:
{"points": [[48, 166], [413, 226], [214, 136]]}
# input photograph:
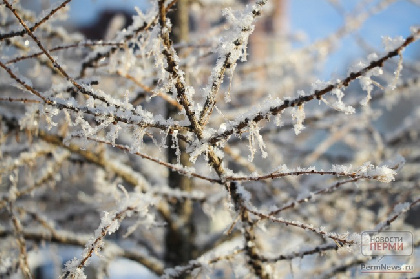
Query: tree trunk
{"points": [[179, 238]]}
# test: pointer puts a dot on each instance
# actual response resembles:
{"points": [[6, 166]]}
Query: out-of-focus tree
{"points": [[171, 144]]}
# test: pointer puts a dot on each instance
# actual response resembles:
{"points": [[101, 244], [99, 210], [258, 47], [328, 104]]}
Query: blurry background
{"points": [[293, 24], [304, 20]]}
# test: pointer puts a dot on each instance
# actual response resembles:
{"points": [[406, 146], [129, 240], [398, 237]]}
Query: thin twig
{"points": [[244, 123], [20, 239], [36, 25], [228, 62], [63, 47], [70, 238], [146, 88]]}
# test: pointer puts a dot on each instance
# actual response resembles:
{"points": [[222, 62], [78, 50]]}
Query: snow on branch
{"points": [[399, 209], [294, 203], [110, 113], [175, 167], [241, 123], [110, 222], [48, 173], [175, 72], [338, 238], [141, 24], [202, 262], [70, 238], [140, 115], [230, 51], [366, 171]]}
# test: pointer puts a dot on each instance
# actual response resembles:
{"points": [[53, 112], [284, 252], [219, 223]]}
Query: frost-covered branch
{"points": [[215, 161], [378, 96], [40, 45], [60, 69], [367, 171], [399, 209], [342, 239], [110, 223], [100, 161], [138, 27], [106, 145], [237, 126], [331, 189], [176, 73], [112, 112], [230, 53], [48, 173], [300, 254], [164, 96], [70, 238], [179, 271]]}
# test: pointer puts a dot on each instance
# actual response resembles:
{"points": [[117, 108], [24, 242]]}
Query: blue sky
{"points": [[316, 18]]}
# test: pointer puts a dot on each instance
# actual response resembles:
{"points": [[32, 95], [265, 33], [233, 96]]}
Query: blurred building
{"points": [[107, 24]]}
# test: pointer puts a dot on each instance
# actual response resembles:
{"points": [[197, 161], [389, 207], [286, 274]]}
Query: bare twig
{"points": [[36, 25], [20, 238]]}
